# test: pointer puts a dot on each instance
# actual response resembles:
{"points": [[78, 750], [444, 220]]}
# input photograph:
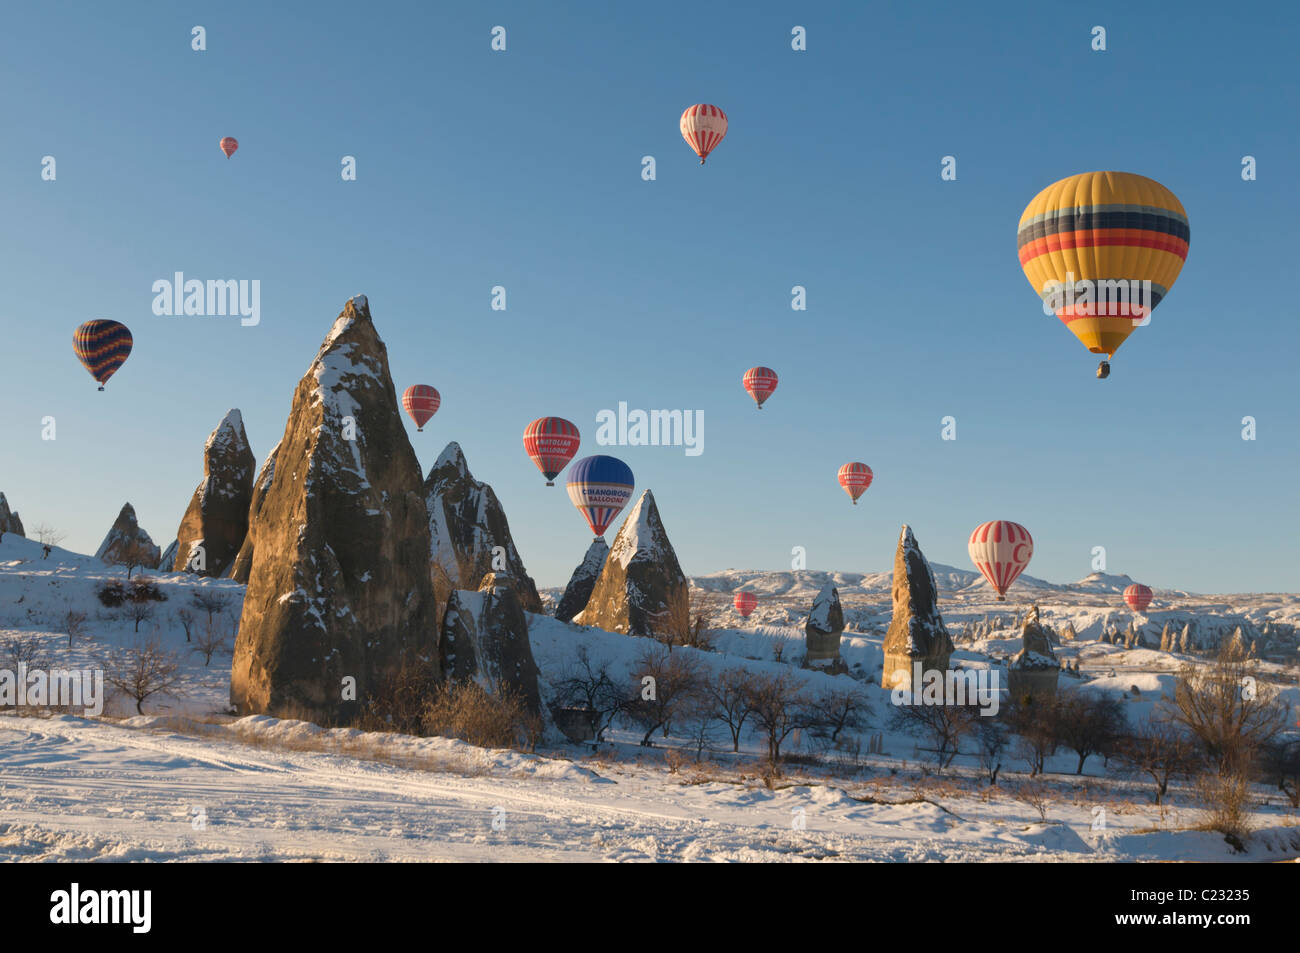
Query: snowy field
{"points": [[187, 781]]}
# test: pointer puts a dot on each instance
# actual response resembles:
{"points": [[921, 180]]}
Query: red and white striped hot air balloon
{"points": [[1138, 597], [855, 478], [1000, 550], [420, 401], [228, 145], [760, 382], [744, 603], [551, 442], [703, 127]]}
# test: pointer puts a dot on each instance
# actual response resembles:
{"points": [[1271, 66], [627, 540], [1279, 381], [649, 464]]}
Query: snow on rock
{"points": [[469, 535], [485, 638], [9, 521], [916, 631], [823, 629], [641, 590], [583, 581], [339, 585], [127, 542], [215, 523]]}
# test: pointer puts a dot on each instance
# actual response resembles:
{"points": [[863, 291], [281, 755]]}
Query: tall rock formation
{"points": [[641, 590], [216, 521], [916, 632], [469, 535], [243, 561], [127, 543], [822, 632], [1034, 670], [485, 638], [339, 586], [583, 581], [9, 521]]}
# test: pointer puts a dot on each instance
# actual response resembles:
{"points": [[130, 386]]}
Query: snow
{"points": [[640, 537]]}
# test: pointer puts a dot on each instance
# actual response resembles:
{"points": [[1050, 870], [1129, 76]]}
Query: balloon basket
{"points": [[549, 483], [101, 386]]}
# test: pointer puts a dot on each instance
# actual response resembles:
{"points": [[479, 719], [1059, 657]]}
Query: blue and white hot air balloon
{"points": [[600, 487]]}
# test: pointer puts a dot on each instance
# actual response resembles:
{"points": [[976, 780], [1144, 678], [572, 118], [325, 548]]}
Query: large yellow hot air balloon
{"points": [[1102, 249]]}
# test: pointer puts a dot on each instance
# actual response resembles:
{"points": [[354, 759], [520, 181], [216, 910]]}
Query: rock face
{"points": [[127, 542], [641, 590], [583, 581], [468, 532], [243, 561], [485, 638], [216, 521], [339, 585], [916, 632], [1034, 670], [9, 521], [822, 632]]}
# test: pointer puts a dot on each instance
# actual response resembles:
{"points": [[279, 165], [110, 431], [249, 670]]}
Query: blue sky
{"points": [[522, 169]]}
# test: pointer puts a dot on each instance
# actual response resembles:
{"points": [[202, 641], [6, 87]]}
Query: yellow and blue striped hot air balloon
{"points": [[1102, 249], [102, 347]]}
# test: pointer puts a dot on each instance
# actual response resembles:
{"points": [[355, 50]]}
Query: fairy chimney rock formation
{"points": [[583, 581], [916, 635], [243, 561], [9, 521], [485, 638], [339, 593], [822, 632], [126, 543], [641, 590], [216, 521], [469, 533], [1034, 670]]}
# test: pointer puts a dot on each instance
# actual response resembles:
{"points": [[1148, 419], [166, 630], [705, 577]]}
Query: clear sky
{"points": [[523, 169]]}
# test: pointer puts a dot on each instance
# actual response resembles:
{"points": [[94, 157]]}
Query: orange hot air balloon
{"points": [[855, 478], [228, 145], [744, 603], [703, 127]]}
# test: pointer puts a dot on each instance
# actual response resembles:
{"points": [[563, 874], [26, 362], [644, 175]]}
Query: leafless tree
{"points": [[213, 603], [779, 706], [142, 669], [1227, 709], [23, 650], [839, 709], [131, 555], [48, 537], [943, 726], [186, 619], [214, 636], [1089, 724], [728, 694], [138, 612], [1034, 722], [1279, 764], [1160, 750], [74, 623], [587, 684], [675, 680], [991, 736]]}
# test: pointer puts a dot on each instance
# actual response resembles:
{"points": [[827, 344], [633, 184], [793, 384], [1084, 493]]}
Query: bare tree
{"points": [[779, 706], [1034, 722], [840, 709], [1227, 709], [213, 603], [186, 619], [142, 669], [1162, 751], [728, 694], [587, 684], [48, 537], [131, 554], [23, 650], [1279, 764], [139, 612], [214, 636], [1088, 724], [943, 726], [992, 739], [674, 680], [74, 623]]}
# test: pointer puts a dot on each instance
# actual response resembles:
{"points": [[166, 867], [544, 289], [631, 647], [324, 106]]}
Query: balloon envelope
{"points": [[1138, 597], [703, 127], [1000, 550], [600, 487], [420, 401], [228, 145], [855, 478], [760, 382], [102, 347], [745, 603], [551, 442], [1113, 242]]}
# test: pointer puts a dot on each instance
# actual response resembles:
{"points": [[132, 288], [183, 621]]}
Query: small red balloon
{"points": [[229, 145]]}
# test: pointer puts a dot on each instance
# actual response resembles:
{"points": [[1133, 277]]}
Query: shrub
{"points": [[467, 711]]}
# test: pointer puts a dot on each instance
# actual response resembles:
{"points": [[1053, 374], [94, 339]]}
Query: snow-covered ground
{"points": [[189, 781]]}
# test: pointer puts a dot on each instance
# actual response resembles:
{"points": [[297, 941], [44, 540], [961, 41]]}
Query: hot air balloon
{"points": [[1102, 249], [228, 145], [551, 442], [744, 603], [1138, 597], [703, 127], [102, 347], [1000, 550], [855, 478], [420, 401], [760, 382], [600, 487]]}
